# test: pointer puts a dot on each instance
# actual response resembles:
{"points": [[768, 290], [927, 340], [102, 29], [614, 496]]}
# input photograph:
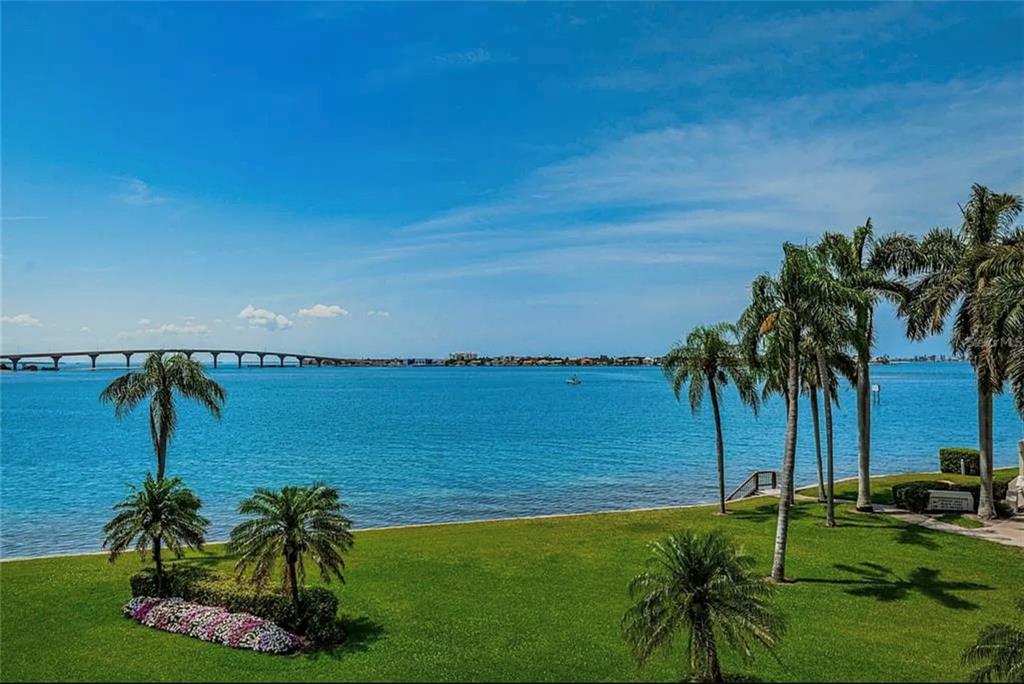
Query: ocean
{"points": [[422, 445]]}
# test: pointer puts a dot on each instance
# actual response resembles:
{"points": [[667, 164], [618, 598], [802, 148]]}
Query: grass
{"points": [[960, 521], [881, 487], [874, 599]]}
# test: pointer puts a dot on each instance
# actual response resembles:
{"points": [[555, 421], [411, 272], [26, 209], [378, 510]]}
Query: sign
{"points": [[939, 500]]}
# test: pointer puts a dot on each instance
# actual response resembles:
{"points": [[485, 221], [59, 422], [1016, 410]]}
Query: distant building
{"points": [[462, 356]]}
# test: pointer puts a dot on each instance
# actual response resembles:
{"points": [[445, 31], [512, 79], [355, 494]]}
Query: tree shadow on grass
{"points": [[872, 580], [361, 633], [915, 535], [768, 511]]}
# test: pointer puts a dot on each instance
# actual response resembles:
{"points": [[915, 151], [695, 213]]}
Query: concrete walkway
{"points": [[1008, 532]]}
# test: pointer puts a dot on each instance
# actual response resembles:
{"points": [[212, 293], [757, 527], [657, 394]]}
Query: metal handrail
{"points": [[752, 484]]}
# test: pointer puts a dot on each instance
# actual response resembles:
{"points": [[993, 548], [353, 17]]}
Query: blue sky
{"points": [[417, 179]]}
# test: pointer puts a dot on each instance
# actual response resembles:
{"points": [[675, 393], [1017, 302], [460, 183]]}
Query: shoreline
{"points": [[478, 521]]}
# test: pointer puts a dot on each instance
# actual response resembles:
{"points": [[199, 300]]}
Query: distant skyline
{"points": [[416, 179]]}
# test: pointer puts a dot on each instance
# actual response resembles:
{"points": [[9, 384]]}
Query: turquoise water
{"points": [[415, 445]]}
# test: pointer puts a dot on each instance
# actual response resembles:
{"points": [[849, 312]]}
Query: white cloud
{"points": [[84, 329], [23, 320], [175, 329], [382, 314], [144, 321], [323, 311], [137, 191], [264, 318]]}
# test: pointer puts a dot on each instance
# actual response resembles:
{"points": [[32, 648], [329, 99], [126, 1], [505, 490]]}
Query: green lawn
{"points": [[881, 487], [960, 521], [542, 600]]}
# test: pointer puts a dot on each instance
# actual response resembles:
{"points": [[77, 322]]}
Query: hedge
{"points": [[950, 459], [317, 619], [913, 496]]}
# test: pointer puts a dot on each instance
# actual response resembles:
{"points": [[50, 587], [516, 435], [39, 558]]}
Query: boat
{"points": [[574, 380]]}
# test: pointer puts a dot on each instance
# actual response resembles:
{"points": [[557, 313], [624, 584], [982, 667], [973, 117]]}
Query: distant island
{"points": [[921, 358]]}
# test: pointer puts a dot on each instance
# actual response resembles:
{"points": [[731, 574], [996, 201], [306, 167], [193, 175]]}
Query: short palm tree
{"points": [[866, 264], [161, 379], [161, 512], [804, 297], [952, 269], [999, 652], [702, 585], [292, 524], [706, 363]]}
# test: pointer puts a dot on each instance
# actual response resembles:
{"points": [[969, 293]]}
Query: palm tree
{"points": [[1003, 266], [161, 379], [802, 298], [708, 360], [862, 263], [832, 364], [294, 523], [161, 512], [952, 269], [702, 585], [999, 651]]}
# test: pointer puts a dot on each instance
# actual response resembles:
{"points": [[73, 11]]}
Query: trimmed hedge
{"points": [[950, 459], [913, 496], [317, 620]]}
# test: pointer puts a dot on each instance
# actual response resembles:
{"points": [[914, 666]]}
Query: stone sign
{"points": [[941, 500]]}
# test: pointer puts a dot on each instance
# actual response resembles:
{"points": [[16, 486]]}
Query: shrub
{"points": [[913, 496], [212, 623], [317, 620], [950, 459]]}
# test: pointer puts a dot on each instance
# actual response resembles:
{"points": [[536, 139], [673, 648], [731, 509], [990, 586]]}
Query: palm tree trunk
{"points": [[161, 455], [704, 665], [864, 428], [830, 508], [720, 444], [817, 439], [293, 580], [986, 501], [159, 567], [788, 462]]}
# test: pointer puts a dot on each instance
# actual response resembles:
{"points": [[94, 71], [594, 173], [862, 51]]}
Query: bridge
{"points": [[55, 357]]}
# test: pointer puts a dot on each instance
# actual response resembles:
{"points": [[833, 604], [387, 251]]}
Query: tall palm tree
{"points": [[862, 263], [706, 363], [951, 269], [999, 651], [161, 512], [161, 379], [292, 524], [702, 585], [783, 309]]}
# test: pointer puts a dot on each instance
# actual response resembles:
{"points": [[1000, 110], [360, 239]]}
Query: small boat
{"points": [[574, 380]]}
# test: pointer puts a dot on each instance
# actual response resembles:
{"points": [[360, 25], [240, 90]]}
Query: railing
{"points": [[754, 484]]}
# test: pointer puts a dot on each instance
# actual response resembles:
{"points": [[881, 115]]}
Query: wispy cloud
{"points": [[726, 191], [136, 191], [419, 61], [14, 219], [175, 329], [380, 314]]}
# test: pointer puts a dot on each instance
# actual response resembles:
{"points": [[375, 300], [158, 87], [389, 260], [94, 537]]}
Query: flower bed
{"points": [[238, 630]]}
